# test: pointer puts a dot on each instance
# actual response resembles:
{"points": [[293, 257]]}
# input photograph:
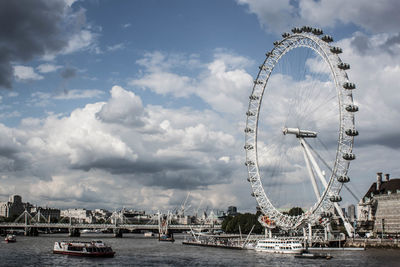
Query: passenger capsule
{"points": [[251, 179], [351, 108], [351, 132], [327, 38], [343, 66], [317, 31], [335, 198], [349, 86], [296, 30], [254, 195], [249, 163], [248, 147], [268, 54], [326, 214], [343, 179], [248, 130], [306, 29], [258, 82], [254, 97], [276, 43], [349, 156], [249, 113], [336, 50], [285, 35]]}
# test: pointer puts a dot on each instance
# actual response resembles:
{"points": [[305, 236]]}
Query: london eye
{"points": [[300, 129]]}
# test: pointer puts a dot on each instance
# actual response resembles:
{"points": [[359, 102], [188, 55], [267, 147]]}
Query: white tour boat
{"points": [[83, 248], [274, 245]]}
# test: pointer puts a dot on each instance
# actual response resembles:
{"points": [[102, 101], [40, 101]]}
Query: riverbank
{"points": [[372, 243]]}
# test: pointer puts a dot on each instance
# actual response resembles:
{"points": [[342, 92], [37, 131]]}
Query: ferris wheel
{"points": [[300, 129]]}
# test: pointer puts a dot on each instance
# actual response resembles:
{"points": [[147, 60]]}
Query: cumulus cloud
{"points": [[222, 83], [26, 73], [377, 91], [31, 29], [281, 16], [124, 107], [46, 68], [123, 145]]}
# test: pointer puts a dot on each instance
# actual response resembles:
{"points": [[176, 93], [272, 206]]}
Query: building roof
{"points": [[392, 185]]}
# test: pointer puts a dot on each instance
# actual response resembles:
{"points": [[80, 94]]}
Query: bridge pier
{"points": [[30, 231], [74, 232], [117, 232]]}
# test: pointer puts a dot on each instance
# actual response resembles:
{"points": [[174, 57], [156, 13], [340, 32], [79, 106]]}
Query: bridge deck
{"points": [[109, 226]]}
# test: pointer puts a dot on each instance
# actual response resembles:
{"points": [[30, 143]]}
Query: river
{"points": [[136, 250]]}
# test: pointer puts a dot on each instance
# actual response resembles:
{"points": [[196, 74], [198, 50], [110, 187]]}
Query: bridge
{"points": [[31, 225], [74, 229]]}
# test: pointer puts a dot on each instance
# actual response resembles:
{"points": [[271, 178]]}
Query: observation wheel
{"points": [[300, 129]]}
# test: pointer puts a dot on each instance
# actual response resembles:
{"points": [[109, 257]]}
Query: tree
{"points": [[295, 211], [245, 221]]}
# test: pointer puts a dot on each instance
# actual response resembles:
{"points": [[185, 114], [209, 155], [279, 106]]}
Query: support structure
{"points": [[313, 165]]}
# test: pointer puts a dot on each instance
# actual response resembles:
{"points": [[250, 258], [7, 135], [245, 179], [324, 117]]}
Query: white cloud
{"points": [[81, 40], [26, 73], [79, 94], [116, 151], [222, 83], [116, 47], [46, 68], [375, 16], [123, 107]]}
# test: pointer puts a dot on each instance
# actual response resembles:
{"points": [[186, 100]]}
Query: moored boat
{"points": [[83, 248], [166, 237], [284, 246], [10, 239], [314, 256], [148, 234]]}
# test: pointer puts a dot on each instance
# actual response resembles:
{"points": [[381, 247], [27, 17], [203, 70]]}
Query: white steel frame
{"points": [[344, 153]]}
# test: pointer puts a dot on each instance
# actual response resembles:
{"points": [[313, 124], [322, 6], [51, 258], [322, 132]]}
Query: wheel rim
{"points": [[344, 141]]}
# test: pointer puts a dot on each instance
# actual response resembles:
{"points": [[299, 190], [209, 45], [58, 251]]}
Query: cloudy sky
{"points": [[107, 104]]}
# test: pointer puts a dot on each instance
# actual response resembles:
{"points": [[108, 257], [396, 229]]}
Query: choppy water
{"points": [[135, 250]]}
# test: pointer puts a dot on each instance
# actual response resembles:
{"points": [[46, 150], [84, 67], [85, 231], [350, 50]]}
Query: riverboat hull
{"points": [[166, 238], [272, 245], [84, 249], [10, 239], [82, 254]]}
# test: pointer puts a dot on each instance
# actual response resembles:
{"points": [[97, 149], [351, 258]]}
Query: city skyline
{"points": [[136, 104]]}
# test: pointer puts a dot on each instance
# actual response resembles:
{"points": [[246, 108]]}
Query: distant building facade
{"points": [[78, 215], [13, 207], [232, 211], [49, 214], [379, 209], [351, 213]]}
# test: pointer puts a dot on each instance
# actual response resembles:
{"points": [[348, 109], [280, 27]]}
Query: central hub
{"points": [[299, 133]]}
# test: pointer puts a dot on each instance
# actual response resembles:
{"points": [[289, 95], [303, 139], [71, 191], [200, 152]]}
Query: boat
{"points": [[83, 248], [148, 234], [163, 228], [10, 238], [169, 237], [275, 245], [91, 231], [314, 256]]}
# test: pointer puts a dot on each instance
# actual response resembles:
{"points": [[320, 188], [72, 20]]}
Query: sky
{"points": [[110, 104]]}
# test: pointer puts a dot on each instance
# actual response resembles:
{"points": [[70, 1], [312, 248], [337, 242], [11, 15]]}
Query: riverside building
{"points": [[379, 209], [13, 207]]}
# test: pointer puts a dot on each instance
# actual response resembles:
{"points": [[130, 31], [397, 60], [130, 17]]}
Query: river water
{"points": [[136, 250]]}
